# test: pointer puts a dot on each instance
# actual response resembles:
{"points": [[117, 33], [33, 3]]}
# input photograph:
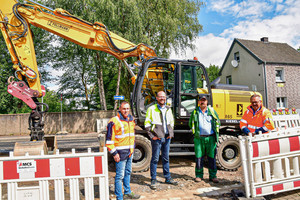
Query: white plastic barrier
{"points": [[271, 162], [284, 121], [29, 177], [101, 124]]}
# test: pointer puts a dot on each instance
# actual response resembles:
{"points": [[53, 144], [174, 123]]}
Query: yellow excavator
{"points": [[15, 21], [182, 80]]}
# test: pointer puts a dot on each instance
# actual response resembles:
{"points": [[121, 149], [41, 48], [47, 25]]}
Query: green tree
{"points": [[169, 24], [8, 103], [52, 99], [164, 24], [213, 72]]}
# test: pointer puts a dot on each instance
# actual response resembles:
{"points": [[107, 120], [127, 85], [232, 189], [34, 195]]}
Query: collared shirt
{"points": [[163, 110], [254, 112], [205, 126]]}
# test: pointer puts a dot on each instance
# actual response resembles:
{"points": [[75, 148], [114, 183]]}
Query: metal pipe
{"points": [[128, 68], [250, 166], [244, 164], [265, 84]]}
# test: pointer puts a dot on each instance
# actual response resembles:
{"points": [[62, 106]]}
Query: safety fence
{"points": [[101, 124], [271, 162], [286, 120], [59, 176]]}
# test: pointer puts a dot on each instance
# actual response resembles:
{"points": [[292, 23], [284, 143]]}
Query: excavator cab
{"points": [[181, 80], [192, 81]]}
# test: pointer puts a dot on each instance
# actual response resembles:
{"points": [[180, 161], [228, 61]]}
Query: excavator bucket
{"points": [[48, 146], [31, 147], [51, 143]]}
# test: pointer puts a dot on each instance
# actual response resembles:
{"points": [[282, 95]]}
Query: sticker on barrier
{"points": [[42, 176]]}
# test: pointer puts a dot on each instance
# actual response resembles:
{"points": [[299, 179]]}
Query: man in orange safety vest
{"points": [[120, 141], [256, 118]]}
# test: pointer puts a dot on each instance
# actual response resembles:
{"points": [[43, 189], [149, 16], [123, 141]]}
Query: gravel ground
{"points": [[182, 170]]}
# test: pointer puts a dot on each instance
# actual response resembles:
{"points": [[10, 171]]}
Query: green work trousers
{"points": [[205, 146]]}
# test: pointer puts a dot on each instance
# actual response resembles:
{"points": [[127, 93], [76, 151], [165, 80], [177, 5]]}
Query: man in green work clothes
{"points": [[205, 124]]}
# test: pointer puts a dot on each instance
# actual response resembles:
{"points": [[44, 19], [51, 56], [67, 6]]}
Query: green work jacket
{"points": [[215, 122]]}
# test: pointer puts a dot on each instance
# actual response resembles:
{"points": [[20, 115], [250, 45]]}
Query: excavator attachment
{"points": [[51, 143], [30, 147], [47, 146]]}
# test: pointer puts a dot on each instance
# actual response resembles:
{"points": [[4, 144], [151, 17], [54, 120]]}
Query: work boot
{"points": [[198, 179], [131, 196], [214, 180], [171, 181], [153, 184]]}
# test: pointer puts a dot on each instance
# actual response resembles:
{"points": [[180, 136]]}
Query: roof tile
{"points": [[272, 52]]}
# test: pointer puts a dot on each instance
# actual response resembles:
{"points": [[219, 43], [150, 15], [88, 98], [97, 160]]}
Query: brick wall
{"points": [[289, 89]]}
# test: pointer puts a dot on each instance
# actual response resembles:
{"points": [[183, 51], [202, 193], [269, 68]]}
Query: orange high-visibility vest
{"points": [[120, 136], [262, 119]]}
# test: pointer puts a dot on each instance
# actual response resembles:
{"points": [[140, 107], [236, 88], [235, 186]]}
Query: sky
{"points": [[224, 20]]}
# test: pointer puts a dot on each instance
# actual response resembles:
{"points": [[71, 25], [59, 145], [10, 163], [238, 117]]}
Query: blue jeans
{"points": [[164, 145], [123, 172]]}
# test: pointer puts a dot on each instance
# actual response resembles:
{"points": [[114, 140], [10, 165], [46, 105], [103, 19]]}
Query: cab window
{"points": [[159, 77], [192, 82]]}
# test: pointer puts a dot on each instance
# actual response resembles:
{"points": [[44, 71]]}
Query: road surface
{"points": [[65, 142]]}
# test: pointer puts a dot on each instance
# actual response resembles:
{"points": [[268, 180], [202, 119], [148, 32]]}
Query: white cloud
{"points": [[53, 85], [285, 28], [220, 6], [247, 8], [210, 49], [282, 28]]}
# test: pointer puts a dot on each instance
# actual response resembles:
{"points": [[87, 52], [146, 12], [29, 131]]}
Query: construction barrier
{"points": [[34, 177], [271, 161], [101, 124], [284, 121]]}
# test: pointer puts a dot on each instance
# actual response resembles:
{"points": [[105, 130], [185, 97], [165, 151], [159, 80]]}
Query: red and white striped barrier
{"points": [[284, 121], [58, 168], [271, 162]]}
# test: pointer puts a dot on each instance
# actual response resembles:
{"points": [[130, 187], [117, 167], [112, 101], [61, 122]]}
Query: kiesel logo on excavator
{"points": [[59, 26]]}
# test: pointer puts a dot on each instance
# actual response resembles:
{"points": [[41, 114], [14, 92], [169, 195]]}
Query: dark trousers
{"points": [[164, 145]]}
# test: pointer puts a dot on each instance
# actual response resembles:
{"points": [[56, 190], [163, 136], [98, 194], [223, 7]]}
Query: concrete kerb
{"points": [[202, 193], [217, 191]]}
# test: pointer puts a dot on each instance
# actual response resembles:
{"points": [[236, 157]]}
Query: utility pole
{"points": [[61, 115]]}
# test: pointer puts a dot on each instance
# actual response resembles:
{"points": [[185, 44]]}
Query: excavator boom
{"points": [[15, 21], [16, 17]]}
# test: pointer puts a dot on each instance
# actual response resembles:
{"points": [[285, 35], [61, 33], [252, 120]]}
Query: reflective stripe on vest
{"points": [[121, 124]]}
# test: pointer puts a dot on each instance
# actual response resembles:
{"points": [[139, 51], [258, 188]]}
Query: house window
{"points": [[281, 102], [279, 74], [228, 80], [237, 56]]}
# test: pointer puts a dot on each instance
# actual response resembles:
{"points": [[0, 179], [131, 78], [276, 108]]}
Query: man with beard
{"points": [[256, 118], [205, 124], [159, 124]]}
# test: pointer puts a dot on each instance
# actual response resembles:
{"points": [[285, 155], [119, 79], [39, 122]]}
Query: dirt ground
{"points": [[183, 171]]}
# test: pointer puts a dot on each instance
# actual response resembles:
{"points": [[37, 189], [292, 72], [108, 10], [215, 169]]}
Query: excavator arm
{"points": [[16, 17], [15, 21]]}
